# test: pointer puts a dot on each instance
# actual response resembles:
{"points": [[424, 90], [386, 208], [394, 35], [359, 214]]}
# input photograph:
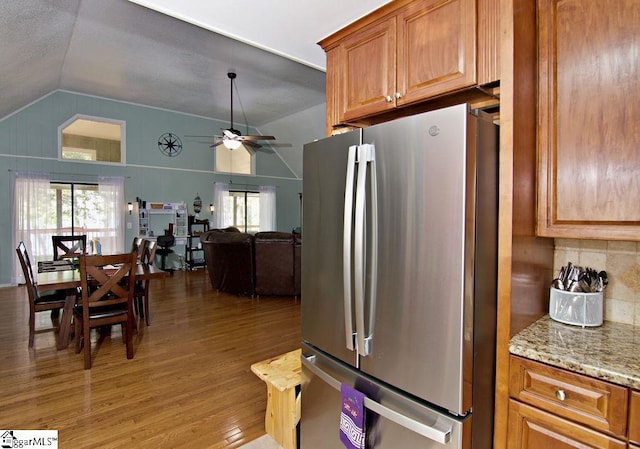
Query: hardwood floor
{"points": [[189, 384]]}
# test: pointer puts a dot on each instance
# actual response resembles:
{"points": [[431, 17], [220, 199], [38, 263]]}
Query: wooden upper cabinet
{"points": [[436, 49], [588, 115], [369, 70], [409, 51], [334, 89]]}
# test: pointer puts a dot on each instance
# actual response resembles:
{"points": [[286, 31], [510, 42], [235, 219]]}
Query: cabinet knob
{"points": [[561, 395], [398, 95], [388, 99]]}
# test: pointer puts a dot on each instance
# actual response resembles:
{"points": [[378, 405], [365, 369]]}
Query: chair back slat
{"points": [[68, 246]]}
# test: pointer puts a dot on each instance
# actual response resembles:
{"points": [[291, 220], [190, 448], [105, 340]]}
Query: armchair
{"points": [[274, 257], [229, 257]]}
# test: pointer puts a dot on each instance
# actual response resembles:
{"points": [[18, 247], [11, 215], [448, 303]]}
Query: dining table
{"points": [[70, 280]]}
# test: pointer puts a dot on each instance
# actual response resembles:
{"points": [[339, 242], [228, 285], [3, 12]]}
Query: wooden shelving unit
{"points": [[194, 258]]}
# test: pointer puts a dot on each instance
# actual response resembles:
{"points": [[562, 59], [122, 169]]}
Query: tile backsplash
{"points": [[621, 261]]}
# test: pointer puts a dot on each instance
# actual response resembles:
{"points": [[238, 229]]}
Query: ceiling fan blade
{"points": [[216, 144], [249, 137], [249, 143]]}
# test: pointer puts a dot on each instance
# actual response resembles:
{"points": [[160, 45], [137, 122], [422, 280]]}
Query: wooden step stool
{"points": [[282, 376]]}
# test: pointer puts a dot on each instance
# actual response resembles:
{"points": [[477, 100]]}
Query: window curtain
{"points": [[268, 208], [220, 193], [111, 192], [33, 214], [34, 217]]}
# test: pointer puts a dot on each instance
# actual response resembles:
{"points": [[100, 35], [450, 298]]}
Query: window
{"points": [[43, 208], [92, 139], [240, 160], [249, 211], [243, 210], [78, 208]]}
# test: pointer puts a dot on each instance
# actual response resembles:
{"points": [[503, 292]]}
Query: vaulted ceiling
{"points": [[122, 50]]}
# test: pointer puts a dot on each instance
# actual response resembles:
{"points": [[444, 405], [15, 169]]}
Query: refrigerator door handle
{"points": [[373, 250], [366, 164], [439, 431], [346, 247]]}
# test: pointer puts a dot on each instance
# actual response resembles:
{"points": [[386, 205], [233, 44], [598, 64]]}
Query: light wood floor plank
{"points": [[189, 384]]}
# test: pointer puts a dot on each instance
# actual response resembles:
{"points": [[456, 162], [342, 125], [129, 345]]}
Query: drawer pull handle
{"points": [[561, 395]]}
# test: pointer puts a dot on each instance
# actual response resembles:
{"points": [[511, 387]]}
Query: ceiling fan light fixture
{"points": [[231, 138], [231, 144]]}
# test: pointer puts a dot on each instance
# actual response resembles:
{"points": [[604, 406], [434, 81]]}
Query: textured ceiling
{"points": [[124, 51]]}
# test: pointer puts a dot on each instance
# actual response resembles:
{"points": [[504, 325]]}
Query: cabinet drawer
{"points": [[634, 417], [530, 428], [592, 402]]}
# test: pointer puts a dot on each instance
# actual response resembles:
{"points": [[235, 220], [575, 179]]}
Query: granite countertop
{"points": [[609, 352]]}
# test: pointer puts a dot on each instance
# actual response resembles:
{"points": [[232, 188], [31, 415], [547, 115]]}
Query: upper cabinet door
{"points": [[588, 113], [436, 48], [369, 70]]}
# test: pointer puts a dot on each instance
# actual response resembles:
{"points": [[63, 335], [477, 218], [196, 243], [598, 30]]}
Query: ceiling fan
{"points": [[232, 138]]}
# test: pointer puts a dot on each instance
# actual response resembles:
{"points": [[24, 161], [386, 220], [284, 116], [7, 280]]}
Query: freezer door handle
{"points": [[363, 253], [438, 431], [346, 247]]}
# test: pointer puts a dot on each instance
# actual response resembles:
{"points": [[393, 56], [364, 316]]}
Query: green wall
{"points": [[29, 142]]}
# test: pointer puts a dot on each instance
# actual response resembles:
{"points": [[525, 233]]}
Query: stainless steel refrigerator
{"points": [[399, 281]]}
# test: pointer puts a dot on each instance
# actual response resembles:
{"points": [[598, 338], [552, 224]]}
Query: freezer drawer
{"points": [[393, 420]]}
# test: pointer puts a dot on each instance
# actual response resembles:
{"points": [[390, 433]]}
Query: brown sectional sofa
{"points": [[265, 264]]}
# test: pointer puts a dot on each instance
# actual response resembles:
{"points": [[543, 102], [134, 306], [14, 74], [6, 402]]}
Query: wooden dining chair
{"points": [[107, 284], [68, 246], [141, 294], [137, 246], [52, 300]]}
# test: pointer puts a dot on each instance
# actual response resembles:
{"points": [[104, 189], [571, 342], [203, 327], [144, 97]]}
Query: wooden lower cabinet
{"points": [[554, 408], [634, 418], [531, 428], [594, 403]]}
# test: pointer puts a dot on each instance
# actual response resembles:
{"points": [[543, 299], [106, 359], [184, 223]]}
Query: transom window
{"points": [[240, 160], [92, 139]]}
